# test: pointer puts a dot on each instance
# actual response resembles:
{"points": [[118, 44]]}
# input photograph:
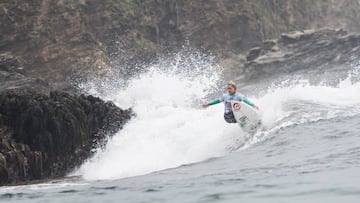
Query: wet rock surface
{"points": [[46, 136], [312, 51]]}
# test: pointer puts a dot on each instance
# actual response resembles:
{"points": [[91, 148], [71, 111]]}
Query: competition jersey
{"points": [[226, 98]]}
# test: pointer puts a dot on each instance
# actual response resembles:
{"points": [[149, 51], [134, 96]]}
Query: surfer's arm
{"points": [[247, 101], [213, 102]]}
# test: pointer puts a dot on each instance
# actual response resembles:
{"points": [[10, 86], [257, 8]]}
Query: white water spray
{"points": [[170, 129]]}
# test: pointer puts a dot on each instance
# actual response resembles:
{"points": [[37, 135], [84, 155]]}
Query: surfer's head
{"points": [[231, 87]]}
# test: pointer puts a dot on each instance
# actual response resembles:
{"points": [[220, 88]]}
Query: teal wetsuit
{"points": [[226, 98]]}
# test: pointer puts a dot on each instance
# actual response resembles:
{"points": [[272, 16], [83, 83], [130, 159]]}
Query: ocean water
{"points": [[308, 149]]}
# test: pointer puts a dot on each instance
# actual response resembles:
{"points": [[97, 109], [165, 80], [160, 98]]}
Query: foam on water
{"points": [[170, 129]]}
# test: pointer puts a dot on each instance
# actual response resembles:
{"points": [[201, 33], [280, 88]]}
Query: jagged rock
{"points": [[324, 49], [253, 53], [308, 51], [46, 136]]}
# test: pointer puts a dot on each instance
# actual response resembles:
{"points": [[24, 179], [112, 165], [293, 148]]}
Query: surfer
{"points": [[226, 98]]}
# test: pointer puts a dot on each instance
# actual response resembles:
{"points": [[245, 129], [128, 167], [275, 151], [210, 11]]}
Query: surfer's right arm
{"points": [[213, 102]]}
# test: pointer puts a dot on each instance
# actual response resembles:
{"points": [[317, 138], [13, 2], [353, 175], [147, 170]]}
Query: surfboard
{"points": [[246, 116]]}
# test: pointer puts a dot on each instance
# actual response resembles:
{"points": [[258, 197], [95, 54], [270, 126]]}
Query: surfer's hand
{"points": [[256, 107], [205, 105]]}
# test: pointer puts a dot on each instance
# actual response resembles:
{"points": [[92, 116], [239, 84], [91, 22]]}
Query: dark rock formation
{"points": [[46, 136], [307, 50], [310, 51]]}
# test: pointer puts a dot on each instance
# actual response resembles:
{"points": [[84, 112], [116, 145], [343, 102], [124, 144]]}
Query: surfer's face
{"points": [[230, 89]]}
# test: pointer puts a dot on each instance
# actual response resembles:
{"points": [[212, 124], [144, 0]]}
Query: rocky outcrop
{"points": [[47, 136], [310, 51]]}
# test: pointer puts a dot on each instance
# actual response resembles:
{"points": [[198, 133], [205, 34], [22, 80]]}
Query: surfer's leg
{"points": [[229, 117]]}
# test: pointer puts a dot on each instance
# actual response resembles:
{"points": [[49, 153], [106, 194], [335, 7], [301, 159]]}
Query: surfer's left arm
{"points": [[247, 101]]}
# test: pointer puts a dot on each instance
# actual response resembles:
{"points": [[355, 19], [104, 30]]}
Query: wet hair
{"points": [[231, 83]]}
